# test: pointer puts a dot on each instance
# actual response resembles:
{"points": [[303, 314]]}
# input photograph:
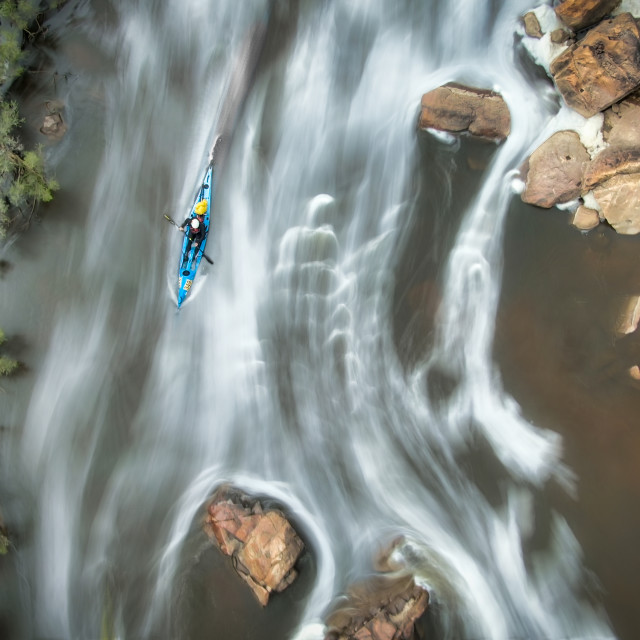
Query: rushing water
{"points": [[289, 372]]}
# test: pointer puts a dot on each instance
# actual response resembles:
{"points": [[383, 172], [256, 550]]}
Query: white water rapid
{"points": [[281, 374]]}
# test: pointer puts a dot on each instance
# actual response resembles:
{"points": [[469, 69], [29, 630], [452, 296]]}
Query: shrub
{"points": [[23, 184]]}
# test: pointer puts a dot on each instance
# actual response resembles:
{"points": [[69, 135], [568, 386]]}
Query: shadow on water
{"points": [[448, 176]]}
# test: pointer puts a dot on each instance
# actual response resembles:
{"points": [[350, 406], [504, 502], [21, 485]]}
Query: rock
{"points": [[53, 126], [263, 545], [379, 609], [585, 218], [457, 108], [531, 25], [579, 14], [560, 36], [634, 372], [621, 127], [602, 68], [608, 163], [619, 200], [629, 316], [554, 170]]}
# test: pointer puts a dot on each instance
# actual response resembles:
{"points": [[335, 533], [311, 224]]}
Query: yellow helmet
{"points": [[201, 208]]}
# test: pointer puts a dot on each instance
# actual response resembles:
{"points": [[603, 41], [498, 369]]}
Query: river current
{"points": [[338, 357]]}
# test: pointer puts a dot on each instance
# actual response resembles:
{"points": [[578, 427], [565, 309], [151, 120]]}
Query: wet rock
{"points": [[456, 108], [554, 170], [531, 25], [629, 316], [579, 14], [600, 69], [608, 163], [263, 545], [621, 127], [619, 200], [585, 218], [381, 608], [561, 36]]}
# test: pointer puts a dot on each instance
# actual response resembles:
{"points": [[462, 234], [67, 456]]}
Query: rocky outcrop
{"points": [[608, 163], [381, 608], [553, 173], [263, 545], [600, 69], [579, 14], [456, 108]]}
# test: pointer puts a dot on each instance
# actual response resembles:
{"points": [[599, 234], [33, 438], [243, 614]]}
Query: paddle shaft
{"points": [[173, 222]]}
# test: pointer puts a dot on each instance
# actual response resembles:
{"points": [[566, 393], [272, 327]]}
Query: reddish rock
{"points": [[263, 545], [600, 69], [610, 162], [554, 170], [379, 609], [456, 108], [579, 14]]}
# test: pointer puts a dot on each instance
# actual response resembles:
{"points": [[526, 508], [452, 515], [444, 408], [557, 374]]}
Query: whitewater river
{"points": [[374, 349]]}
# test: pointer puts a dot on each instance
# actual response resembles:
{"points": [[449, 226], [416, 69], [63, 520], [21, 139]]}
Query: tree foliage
{"points": [[23, 183], [7, 365]]}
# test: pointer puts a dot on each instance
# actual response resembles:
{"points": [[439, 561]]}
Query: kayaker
{"points": [[196, 226]]}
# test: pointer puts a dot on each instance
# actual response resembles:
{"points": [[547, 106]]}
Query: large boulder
{"points": [[263, 545], [621, 127], [553, 172], [456, 108], [600, 69], [619, 201], [579, 14], [381, 608], [608, 163]]}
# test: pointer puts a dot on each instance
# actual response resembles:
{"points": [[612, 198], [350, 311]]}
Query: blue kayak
{"points": [[190, 255]]}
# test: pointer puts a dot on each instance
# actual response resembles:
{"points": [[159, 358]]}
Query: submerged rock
{"points": [[600, 69], [263, 545], [456, 108], [579, 14], [381, 608], [553, 172], [53, 125]]}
